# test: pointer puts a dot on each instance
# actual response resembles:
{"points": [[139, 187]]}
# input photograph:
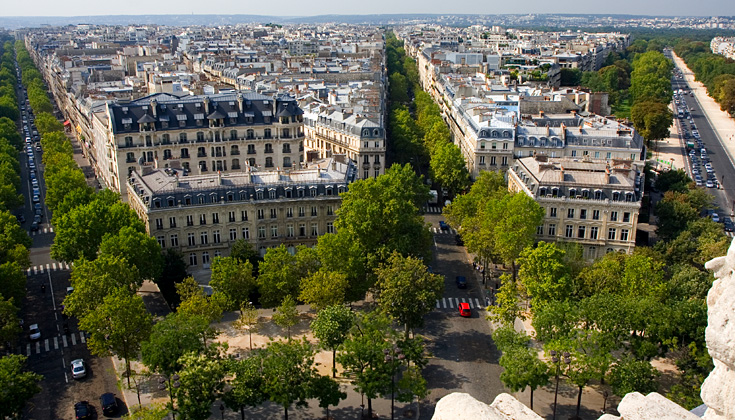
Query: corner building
{"points": [[203, 215], [592, 203]]}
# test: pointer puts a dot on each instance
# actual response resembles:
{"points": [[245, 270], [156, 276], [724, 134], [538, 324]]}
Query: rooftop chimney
{"points": [[154, 107], [561, 173], [239, 102], [607, 173], [206, 105]]}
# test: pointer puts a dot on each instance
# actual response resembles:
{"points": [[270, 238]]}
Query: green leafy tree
{"points": [[139, 249], [522, 368], [9, 321], [245, 378], [194, 301], [62, 183], [233, 279], [201, 381], [544, 274], [324, 288], [13, 281], [331, 327], [248, 320], [507, 301], [279, 277], [514, 220], [327, 391], [631, 375], [93, 280], [448, 167], [149, 412], [171, 338], [18, 385], [47, 123], [407, 291], [243, 250], [288, 370], [118, 326], [651, 119], [362, 355], [286, 315]]}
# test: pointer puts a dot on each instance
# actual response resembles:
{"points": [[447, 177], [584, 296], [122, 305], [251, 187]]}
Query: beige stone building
{"points": [[203, 215], [592, 203], [200, 135]]}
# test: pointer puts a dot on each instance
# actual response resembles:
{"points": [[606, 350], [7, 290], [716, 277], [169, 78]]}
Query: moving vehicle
{"points": [[108, 403], [33, 332], [464, 310], [461, 282], [77, 369]]}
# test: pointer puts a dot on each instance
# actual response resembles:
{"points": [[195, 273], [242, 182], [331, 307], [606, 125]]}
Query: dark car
{"points": [[108, 403], [729, 226], [461, 282], [443, 225], [83, 410]]}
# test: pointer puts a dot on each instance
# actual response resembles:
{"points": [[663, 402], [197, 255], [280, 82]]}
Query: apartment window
{"points": [[233, 234], [574, 153], [330, 210], [613, 216], [581, 230], [595, 214], [302, 229], [289, 231], [244, 216], [313, 211], [314, 229], [274, 231], [202, 219], [552, 230], [608, 155], [261, 232], [215, 217], [597, 155], [570, 213], [191, 239], [569, 232], [504, 161], [251, 147], [246, 233], [289, 212], [494, 146], [231, 216], [552, 212], [302, 211], [205, 258], [159, 223], [330, 227], [626, 217], [192, 259], [312, 192], [216, 237], [161, 241], [611, 233], [623, 234], [274, 213], [482, 160], [204, 238], [172, 222], [261, 214], [505, 146], [174, 240], [593, 232], [540, 230], [366, 174], [492, 161]]}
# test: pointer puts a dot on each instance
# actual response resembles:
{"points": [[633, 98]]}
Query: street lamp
{"points": [[556, 361], [391, 356]]}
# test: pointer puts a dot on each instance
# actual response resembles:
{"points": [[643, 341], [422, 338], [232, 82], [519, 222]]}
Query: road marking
{"points": [[51, 229], [437, 304], [45, 342], [444, 303], [477, 301], [73, 340], [66, 265], [56, 343], [47, 267], [38, 347], [82, 337], [28, 349], [53, 265], [40, 269], [63, 340]]}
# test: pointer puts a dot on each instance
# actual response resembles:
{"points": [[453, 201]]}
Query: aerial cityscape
{"points": [[363, 211]]}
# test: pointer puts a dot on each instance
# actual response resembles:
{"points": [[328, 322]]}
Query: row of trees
{"points": [[608, 319], [18, 384], [715, 71], [422, 138]]}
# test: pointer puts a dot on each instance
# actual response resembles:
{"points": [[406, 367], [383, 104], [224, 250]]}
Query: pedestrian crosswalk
{"points": [[432, 209], [453, 303], [42, 231], [730, 234], [45, 268], [54, 343], [438, 231]]}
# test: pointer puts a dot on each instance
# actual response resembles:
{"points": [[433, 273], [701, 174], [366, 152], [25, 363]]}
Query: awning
{"points": [[67, 122]]}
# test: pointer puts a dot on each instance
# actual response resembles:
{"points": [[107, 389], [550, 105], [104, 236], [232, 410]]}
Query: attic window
{"points": [[198, 116], [127, 121], [125, 110], [232, 114], [145, 107], [232, 103]]}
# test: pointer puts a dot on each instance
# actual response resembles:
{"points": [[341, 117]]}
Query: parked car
{"points": [[83, 410], [716, 217], [21, 219], [729, 226], [464, 310], [34, 226], [461, 282], [33, 332], [108, 403], [443, 225], [77, 369]]}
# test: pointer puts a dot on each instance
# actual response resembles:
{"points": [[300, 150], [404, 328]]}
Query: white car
{"points": [[33, 332], [716, 217], [77, 369]]}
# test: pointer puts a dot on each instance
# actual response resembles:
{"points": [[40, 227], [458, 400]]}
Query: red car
{"points": [[464, 309]]}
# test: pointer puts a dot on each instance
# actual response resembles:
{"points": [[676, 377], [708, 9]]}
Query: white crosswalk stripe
{"points": [[50, 344], [45, 230], [63, 340], [82, 337], [45, 344], [41, 269], [450, 303], [477, 304], [73, 340], [56, 343], [38, 347], [28, 349]]}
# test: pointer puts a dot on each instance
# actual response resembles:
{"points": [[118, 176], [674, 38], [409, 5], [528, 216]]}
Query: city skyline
{"points": [[47, 8]]}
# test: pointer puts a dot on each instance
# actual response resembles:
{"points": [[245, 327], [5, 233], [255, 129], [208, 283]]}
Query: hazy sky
{"points": [[321, 7]]}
